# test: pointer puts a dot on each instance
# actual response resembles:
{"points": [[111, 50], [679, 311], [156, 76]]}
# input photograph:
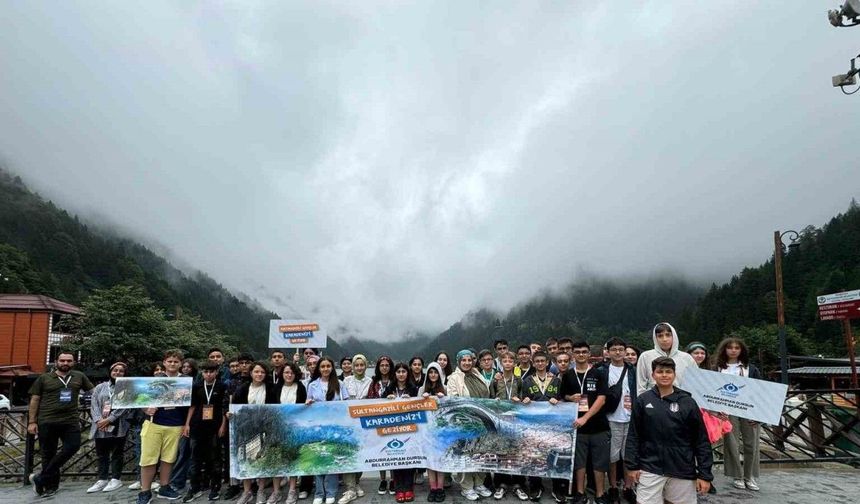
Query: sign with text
{"points": [[839, 306], [740, 396], [296, 334]]}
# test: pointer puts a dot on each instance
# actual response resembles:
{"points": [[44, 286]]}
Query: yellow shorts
{"points": [[158, 442]]}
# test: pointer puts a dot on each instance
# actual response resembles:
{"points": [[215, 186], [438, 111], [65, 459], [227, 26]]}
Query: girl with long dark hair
{"points": [[325, 387]]}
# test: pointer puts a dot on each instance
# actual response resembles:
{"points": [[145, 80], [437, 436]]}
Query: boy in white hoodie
{"points": [[665, 345]]}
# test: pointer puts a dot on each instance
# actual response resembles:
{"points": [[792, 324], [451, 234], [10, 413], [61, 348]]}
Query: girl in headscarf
{"points": [[109, 430], [466, 381]]}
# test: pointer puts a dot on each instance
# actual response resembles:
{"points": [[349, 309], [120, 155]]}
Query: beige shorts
{"points": [[655, 489], [618, 431]]}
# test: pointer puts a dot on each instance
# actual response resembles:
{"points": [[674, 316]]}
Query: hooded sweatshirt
{"points": [[438, 368], [683, 360]]}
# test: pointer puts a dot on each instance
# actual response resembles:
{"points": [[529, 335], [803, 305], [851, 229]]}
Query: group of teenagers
{"points": [[641, 437]]}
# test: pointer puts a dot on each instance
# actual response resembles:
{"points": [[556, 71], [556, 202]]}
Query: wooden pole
{"points": [[780, 307], [849, 342]]}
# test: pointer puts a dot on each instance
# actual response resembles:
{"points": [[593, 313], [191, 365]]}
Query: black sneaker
{"points": [[536, 494], [49, 492], [214, 493], [580, 498], [144, 497], [713, 489], [38, 487], [559, 498], [383, 487], [601, 500], [167, 492], [614, 497], [629, 495], [192, 494], [232, 492], [391, 487]]}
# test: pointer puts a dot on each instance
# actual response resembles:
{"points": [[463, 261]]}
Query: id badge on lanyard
{"points": [[65, 392], [583, 398], [208, 411]]}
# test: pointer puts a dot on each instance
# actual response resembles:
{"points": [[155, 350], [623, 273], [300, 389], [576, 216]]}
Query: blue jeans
{"points": [[179, 474], [325, 486]]}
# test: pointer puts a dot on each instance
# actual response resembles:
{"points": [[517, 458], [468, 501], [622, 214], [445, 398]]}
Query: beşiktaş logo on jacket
{"points": [[730, 390], [673, 407], [649, 405]]}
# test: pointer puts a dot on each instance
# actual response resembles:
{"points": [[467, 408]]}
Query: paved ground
{"points": [[826, 484]]}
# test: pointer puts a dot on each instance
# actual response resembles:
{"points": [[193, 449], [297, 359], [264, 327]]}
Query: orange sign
{"points": [[392, 407], [294, 328], [396, 429]]}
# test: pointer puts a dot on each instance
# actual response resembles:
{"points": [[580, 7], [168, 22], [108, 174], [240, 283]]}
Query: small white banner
{"points": [[296, 334], [743, 397]]}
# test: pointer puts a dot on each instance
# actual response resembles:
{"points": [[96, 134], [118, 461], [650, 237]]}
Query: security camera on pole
{"points": [[847, 15]]}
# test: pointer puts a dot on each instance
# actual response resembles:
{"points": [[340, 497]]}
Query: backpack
{"points": [[613, 393]]}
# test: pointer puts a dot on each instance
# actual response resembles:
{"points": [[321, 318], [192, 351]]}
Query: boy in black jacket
{"points": [[668, 452], [205, 425]]}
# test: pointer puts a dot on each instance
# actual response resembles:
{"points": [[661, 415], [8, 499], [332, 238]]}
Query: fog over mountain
{"points": [[388, 167]]}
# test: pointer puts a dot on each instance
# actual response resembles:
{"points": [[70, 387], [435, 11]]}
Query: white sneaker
{"points": [[521, 494], [113, 485], [246, 498], [329, 500], [98, 486], [752, 485], [500, 493], [739, 483], [261, 496], [359, 491], [347, 497], [483, 491], [275, 497], [303, 494], [135, 485], [155, 486], [318, 500], [470, 494]]}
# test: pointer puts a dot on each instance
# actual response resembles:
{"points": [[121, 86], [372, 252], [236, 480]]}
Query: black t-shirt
{"points": [[217, 399], [594, 382]]}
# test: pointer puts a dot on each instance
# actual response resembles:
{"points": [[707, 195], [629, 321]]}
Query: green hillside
{"points": [[45, 250]]}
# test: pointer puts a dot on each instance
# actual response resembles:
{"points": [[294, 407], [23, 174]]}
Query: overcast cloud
{"points": [[391, 165]]}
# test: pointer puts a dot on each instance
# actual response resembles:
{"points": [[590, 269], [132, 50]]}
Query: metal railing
{"points": [[819, 425], [19, 451]]}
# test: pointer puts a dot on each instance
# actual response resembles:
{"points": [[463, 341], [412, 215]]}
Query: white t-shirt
{"points": [[622, 412], [257, 395], [288, 394], [733, 369]]}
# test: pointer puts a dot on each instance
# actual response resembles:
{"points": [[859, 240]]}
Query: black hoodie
{"points": [[667, 437]]}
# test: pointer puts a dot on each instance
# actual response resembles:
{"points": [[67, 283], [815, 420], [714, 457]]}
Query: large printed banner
{"points": [[450, 434], [743, 397]]}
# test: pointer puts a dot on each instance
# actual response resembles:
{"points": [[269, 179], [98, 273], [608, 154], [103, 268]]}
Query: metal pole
{"points": [[849, 342], [780, 307]]}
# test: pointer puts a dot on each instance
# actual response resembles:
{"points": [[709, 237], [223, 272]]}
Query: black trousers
{"points": [[50, 435], [404, 479], [206, 457], [110, 452]]}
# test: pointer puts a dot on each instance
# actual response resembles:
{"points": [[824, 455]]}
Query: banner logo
{"points": [[730, 390]]}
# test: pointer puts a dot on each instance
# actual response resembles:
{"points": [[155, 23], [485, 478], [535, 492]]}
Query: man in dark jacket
{"points": [[667, 450]]}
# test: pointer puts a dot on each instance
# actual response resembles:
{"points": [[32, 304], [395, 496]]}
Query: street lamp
{"points": [[778, 248]]}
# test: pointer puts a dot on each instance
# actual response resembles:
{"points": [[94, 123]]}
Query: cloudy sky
{"points": [[392, 165]]}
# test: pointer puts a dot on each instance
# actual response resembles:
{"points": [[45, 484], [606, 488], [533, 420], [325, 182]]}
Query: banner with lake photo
{"points": [[152, 392], [450, 434]]}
